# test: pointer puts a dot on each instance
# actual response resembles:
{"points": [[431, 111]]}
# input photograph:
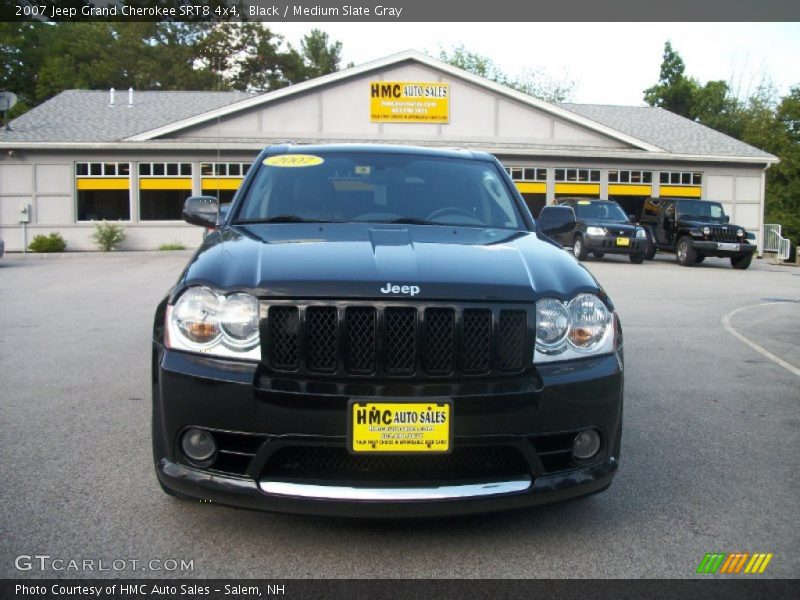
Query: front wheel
{"points": [[698, 259], [579, 248], [650, 253], [637, 258], [685, 254], [741, 262]]}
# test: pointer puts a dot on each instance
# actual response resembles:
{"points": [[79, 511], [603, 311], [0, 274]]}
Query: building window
{"points": [[163, 189], [527, 173], [222, 179], [681, 178], [637, 177], [577, 175], [103, 191]]}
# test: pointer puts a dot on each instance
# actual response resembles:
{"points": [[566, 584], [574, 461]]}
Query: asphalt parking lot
{"points": [[708, 464]]}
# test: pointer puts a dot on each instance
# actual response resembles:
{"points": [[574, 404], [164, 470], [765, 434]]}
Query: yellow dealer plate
{"points": [[293, 160], [623, 242], [389, 427]]}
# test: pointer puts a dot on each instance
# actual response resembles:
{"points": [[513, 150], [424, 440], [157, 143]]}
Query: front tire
{"points": [[685, 254], [698, 259], [637, 258], [579, 250], [741, 262]]}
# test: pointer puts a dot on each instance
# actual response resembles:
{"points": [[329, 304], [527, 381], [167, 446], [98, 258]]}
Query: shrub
{"points": [[48, 243], [172, 246], [108, 235]]}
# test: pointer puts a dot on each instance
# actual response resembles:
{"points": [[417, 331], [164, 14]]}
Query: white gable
{"points": [[340, 111]]}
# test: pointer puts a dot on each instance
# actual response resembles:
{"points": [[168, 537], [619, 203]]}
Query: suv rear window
{"points": [[379, 188]]}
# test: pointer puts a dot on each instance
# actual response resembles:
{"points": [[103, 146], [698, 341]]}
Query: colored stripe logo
{"points": [[734, 563]]}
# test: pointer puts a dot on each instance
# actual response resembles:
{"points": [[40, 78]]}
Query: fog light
{"points": [[198, 445], [586, 444]]}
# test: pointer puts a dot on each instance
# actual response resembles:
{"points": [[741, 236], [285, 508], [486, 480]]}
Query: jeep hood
{"points": [[357, 260]]}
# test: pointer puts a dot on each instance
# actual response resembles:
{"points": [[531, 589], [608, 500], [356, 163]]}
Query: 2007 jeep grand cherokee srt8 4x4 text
{"points": [[384, 331]]}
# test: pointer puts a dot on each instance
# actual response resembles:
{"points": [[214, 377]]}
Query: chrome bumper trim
{"points": [[388, 494]]}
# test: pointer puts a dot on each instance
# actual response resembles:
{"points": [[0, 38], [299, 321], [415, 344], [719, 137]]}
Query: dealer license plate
{"points": [[721, 246], [400, 426], [623, 242]]}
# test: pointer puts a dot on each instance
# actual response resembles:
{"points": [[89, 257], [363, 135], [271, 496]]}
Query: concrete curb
{"points": [[68, 255]]}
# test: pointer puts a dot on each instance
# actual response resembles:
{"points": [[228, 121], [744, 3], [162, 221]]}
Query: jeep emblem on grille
{"points": [[411, 290]]}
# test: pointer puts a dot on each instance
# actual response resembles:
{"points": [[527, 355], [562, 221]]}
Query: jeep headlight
{"points": [[566, 330], [207, 322], [595, 231], [740, 232], [641, 233]]}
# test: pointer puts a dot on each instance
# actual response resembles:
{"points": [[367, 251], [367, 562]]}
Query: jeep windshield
{"points": [[700, 210], [602, 211], [360, 187]]}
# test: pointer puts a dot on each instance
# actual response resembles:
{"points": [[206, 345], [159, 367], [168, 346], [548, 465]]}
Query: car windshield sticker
{"points": [[293, 160], [362, 170], [584, 202]]}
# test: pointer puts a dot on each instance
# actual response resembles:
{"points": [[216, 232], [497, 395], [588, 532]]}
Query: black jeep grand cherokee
{"points": [[384, 331], [602, 227]]}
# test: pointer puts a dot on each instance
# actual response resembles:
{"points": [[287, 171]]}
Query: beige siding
{"points": [[16, 179]]}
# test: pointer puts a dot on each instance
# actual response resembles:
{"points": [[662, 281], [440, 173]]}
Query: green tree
{"points": [[533, 82], [783, 179], [761, 120], [43, 59], [674, 91], [320, 55]]}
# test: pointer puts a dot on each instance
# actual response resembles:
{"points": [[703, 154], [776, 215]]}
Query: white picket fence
{"points": [[775, 242]]}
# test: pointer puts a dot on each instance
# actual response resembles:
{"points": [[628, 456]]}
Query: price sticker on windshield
{"points": [[294, 160]]}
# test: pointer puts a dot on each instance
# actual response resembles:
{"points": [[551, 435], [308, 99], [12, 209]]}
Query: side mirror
{"points": [[726, 219], [201, 210], [632, 218], [555, 219]]}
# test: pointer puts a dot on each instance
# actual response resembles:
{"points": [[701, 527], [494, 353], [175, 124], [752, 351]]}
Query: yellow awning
{"points": [[578, 188], [630, 190], [531, 188], [680, 191], [221, 183], [165, 183], [103, 183]]}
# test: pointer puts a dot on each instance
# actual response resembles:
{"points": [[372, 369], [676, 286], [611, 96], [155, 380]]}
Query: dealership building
{"points": [[134, 157]]}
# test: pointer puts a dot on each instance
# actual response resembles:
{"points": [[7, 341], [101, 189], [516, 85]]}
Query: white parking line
{"points": [[726, 323]]}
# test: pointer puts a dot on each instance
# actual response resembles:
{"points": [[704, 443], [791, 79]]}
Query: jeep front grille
{"points": [[387, 341], [724, 234]]}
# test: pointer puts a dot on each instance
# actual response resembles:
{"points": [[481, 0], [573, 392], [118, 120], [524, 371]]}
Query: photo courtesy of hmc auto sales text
{"points": [[137, 590]]}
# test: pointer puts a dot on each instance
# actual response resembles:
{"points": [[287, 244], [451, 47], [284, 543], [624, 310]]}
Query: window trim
{"points": [[117, 177]]}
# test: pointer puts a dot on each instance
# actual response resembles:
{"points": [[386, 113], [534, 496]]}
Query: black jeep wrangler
{"points": [[384, 331], [694, 229]]}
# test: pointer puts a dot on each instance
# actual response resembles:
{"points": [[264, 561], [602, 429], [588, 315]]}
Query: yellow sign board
{"points": [[293, 160], [409, 102], [400, 427]]}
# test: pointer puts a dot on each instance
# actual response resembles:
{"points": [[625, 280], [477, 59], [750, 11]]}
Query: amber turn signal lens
{"points": [[202, 332]]}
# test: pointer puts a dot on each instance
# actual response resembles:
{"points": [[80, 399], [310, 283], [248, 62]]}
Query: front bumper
{"points": [[721, 249], [264, 417], [609, 244]]}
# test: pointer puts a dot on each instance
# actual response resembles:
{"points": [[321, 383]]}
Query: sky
{"points": [[610, 63]]}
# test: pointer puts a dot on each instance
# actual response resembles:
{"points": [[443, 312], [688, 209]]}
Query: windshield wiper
{"points": [[284, 219], [405, 221]]}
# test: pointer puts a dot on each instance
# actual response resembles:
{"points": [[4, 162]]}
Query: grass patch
{"points": [[172, 246]]}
